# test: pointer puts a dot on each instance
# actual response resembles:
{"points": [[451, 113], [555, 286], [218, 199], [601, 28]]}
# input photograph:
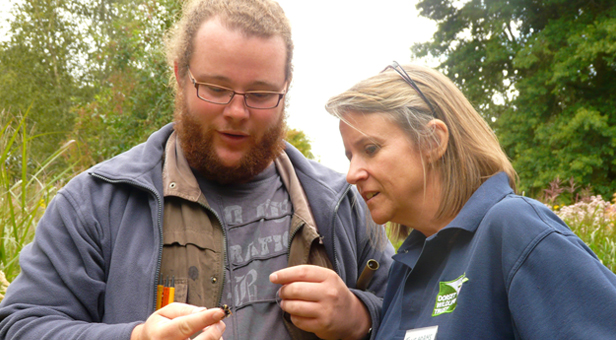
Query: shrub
{"points": [[593, 219]]}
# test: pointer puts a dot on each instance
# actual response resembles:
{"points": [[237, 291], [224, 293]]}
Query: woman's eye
{"points": [[371, 149]]}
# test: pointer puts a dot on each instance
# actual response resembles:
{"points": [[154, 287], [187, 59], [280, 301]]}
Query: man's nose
{"points": [[237, 109]]}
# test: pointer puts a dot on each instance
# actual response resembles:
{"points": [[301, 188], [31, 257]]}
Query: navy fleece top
{"points": [[505, 268]]}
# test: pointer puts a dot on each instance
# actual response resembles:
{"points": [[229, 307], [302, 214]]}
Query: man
{"points": [[214, 204]]}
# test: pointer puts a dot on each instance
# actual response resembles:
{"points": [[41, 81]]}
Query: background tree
{"points": [[543, 73], [298, 139], [39, 67], [94, 72], [133, 98]]}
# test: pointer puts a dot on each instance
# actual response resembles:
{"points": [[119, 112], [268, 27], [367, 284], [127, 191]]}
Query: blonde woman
{"points": [[478, 261]]}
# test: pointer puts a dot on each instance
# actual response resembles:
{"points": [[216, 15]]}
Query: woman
{"points": [[478, 261]]}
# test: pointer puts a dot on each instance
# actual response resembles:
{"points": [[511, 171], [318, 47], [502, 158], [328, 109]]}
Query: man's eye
{"points": [[215, 90], [261, 96]]}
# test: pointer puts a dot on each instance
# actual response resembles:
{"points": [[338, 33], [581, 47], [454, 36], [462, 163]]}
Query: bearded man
{"points": [[216, 205]]}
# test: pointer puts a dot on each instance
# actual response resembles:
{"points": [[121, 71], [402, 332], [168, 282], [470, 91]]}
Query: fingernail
{"points": [[220, 326], [278, 298], [273, 277]]}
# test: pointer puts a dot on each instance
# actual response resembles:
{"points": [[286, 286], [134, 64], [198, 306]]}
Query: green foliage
{"points": [[543, 73], [134, 98], [300, 141], [25, 190], [93, 71], [394, 241], [39, 67]]}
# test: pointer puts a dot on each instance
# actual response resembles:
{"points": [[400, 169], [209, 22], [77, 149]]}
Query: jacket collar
{"points": [[141, 165], [320, 183], [483, 199], [324, 187], [178, 178], [295, 190], [468, 219]]}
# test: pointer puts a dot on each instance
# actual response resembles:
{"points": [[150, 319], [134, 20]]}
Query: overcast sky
{"points": [[337, 43]]}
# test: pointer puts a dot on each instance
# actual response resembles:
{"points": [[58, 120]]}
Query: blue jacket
{"points": [[90, 272], [505, 268]]}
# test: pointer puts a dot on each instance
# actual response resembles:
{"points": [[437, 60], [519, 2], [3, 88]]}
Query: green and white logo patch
{"points": [[446, 300]]}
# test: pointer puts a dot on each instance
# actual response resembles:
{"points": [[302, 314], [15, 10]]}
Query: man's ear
{"points": [[177, 74], [441, 134]]}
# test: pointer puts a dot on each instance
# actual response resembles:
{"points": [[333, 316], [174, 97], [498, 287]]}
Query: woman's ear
{"points": [[441, 139]]}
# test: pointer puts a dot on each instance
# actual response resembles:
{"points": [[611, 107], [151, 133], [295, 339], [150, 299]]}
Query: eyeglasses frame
{"points": [[405, 76], [196, 84]]}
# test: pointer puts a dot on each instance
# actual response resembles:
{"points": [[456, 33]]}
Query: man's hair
{"points": [[261, 18], [473, 153]]}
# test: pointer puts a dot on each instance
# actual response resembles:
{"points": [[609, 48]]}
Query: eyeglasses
{"points": [[221, 95], [396, 67]]}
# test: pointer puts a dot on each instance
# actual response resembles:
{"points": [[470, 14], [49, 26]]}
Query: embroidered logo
{"points": [[446, 300]]}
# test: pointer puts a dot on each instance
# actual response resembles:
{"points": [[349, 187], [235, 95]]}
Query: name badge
{"points": [[426, 333]]}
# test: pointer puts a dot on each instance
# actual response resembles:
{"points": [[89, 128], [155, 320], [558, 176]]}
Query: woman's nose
{"points": [[356, 172]]}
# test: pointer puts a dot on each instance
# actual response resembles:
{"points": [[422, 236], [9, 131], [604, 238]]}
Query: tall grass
{"points": [[25, 189]]}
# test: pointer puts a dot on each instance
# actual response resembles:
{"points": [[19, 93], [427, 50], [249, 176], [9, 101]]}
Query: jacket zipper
{"points": [[224, 251], [158, 222]]}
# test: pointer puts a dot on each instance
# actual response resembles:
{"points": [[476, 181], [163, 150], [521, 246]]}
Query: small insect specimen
{"points": [[225, 308]]}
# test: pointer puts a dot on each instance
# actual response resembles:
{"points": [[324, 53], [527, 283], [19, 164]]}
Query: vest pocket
{"points": [[192, 251], [181, 290]]}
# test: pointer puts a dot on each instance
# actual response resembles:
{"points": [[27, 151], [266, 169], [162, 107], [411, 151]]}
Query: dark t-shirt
{"points": [[256, 217]]}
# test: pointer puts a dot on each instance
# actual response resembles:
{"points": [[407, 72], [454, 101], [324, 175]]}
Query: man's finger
{"points": [[213, 332], [303, 273], [308, 291], [188, 325], [301, 308], [177, 309]]}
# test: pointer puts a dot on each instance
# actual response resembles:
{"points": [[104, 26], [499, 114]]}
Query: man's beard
{"points": [[198, 147]]}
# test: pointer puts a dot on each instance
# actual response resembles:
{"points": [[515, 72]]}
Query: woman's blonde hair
{"points": [[473, 152]]}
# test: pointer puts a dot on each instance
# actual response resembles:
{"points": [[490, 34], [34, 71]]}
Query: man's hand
{"points": [[319, 302], [178, 321]]}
